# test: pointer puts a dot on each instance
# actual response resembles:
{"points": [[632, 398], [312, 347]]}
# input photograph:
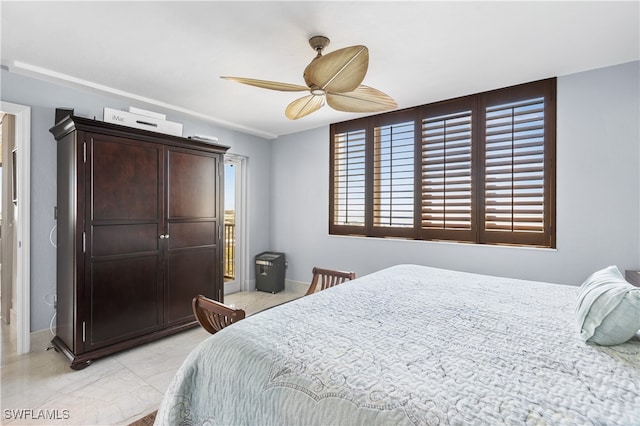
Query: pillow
{"points": [[608, 308]]}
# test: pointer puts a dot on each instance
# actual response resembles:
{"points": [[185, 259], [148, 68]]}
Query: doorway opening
{"points": [[234, 223], [7, 223], [17, 188]]}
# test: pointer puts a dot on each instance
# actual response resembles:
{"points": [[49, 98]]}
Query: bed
{"points": [[410, 345]]}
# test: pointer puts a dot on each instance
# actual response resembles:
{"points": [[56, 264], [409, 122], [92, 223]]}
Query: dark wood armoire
{"points": [[139, 234]]}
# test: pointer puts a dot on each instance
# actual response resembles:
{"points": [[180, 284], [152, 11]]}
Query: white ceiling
{"points": [[173, 53]]}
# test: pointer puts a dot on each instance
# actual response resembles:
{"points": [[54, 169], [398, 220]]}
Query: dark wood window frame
{"points": [[483, 170]]}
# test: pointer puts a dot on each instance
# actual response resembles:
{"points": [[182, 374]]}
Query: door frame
{"points": [[240, 163], [22, 115]]}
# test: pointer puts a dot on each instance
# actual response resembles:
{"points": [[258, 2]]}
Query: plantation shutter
{"points": [[477, 169], [516, 169], [348, 180], [393, 176], [447, 210]]}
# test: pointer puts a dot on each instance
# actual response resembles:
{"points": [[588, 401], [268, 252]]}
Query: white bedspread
{"points": [[410, 345]]}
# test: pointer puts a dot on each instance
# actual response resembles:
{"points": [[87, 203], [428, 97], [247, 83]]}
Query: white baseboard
{"points": [[296, 286], [13, 316], [40, 340], [251, 286], [291, 285]]}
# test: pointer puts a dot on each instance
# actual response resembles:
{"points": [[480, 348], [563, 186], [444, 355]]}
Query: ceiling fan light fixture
{"points": [[317, 91]]}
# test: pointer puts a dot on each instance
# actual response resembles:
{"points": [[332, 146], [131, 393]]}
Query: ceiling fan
{"points": [[335, 78]]}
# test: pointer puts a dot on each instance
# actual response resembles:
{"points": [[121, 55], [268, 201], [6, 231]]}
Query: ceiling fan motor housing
{"points": [[318, 43]]}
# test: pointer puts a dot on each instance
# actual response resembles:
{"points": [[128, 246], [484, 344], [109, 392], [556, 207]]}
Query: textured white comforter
{"points": [[410, 345]]}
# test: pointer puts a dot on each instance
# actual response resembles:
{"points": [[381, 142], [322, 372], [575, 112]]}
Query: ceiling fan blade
{"points": [[339, 71], [304, 106], [363, 99], [265, 84]]}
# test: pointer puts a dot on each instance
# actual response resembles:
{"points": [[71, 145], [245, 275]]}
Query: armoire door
{"points": [[123, 255], [192, 231]]}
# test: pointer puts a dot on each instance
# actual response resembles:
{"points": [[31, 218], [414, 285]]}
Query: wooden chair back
{"points": [[328, 278], [213, 316]]}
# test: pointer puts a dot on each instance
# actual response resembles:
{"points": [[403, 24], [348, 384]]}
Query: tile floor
{"points": [[114, 390]]}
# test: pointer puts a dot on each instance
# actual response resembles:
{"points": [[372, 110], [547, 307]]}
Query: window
{"points": [[393, 175], [476, 169], [447, 210], [348, 171]]}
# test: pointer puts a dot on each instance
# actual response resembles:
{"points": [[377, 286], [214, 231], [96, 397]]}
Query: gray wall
{"points": [[43, 97], [598, 190], [598, 197]]}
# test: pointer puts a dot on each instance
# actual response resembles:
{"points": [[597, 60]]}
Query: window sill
{"points": [[451, 243]]}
